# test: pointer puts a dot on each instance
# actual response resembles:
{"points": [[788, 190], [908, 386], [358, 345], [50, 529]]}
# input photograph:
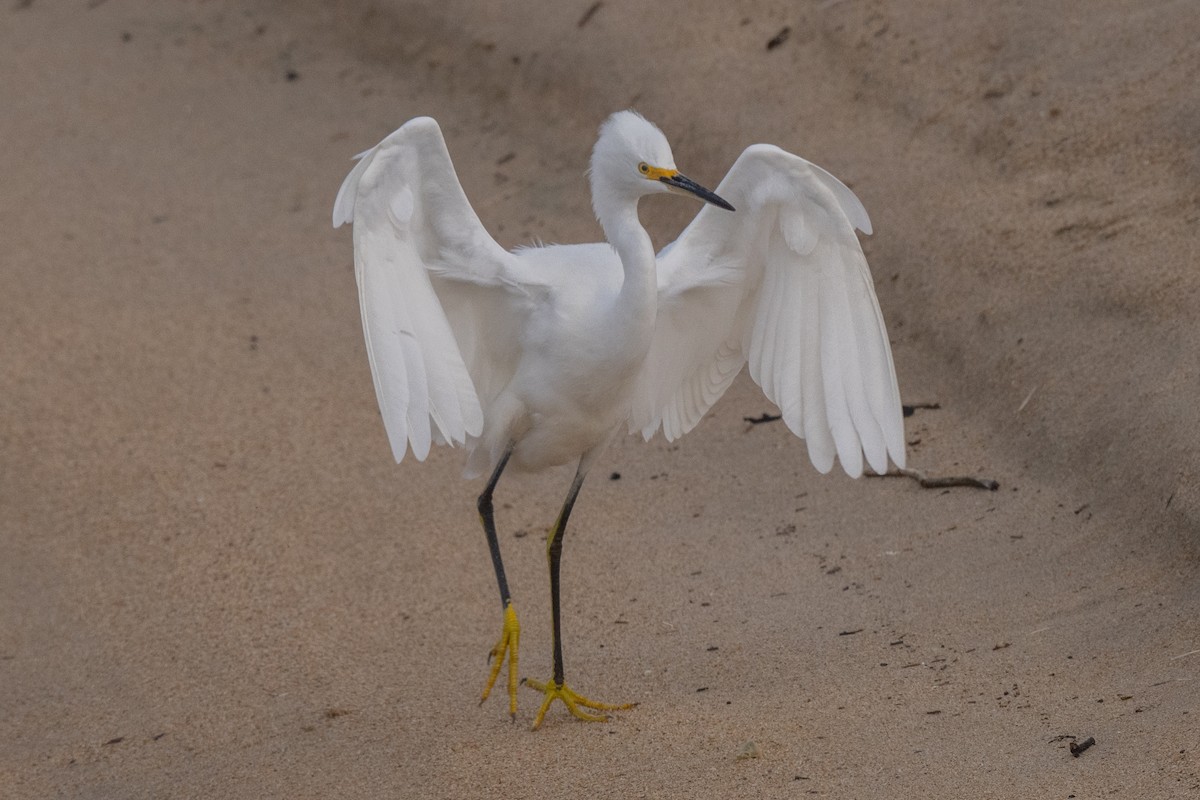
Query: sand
{"points": [[214, 582]]}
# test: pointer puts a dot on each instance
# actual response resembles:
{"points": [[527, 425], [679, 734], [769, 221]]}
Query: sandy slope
{"points": [[213, 583]]}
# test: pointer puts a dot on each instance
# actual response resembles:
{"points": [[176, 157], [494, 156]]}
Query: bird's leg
{"points": [[556, 688], [510, 635]]}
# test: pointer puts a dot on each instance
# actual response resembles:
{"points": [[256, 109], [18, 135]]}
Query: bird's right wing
{"points": [[782, 284], [437, 293]]}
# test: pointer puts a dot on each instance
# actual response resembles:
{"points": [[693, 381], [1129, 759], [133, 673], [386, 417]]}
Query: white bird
{"points": [[537, 357]]}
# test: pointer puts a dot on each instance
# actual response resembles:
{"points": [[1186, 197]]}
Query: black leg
{"points": [[556, 688], [487, 517], [511, 633], [554, 556]]}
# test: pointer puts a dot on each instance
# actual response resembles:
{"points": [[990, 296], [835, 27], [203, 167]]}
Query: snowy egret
{"points": [[537, 357]]}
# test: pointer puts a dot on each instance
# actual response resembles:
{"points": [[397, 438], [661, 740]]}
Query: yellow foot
{"points": [[510, 637], [554, 691]]}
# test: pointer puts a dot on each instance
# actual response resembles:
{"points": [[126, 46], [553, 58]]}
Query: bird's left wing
{"points": [[433, 286], [782, 284]]}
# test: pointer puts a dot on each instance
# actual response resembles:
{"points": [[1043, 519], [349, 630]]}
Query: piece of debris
{"points": [[939, 483], [587, 15], [115, 740], [1025, 402], [764, 418], [780, 37], [616, 476], [1077, 749], [911, 409], [850, 633], [749, 750]]}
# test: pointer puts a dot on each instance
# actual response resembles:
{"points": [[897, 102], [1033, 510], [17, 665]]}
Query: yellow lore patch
{"points": [[656, 173]]}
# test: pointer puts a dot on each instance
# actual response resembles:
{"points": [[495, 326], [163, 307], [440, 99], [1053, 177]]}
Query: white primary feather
{"points": [[783, 285], [435, 290]]}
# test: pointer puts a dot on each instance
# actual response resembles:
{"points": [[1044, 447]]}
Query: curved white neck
{"points": [[639, 292]]}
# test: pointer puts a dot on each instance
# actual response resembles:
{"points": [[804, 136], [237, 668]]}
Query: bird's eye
{"points": [[644, 168]]}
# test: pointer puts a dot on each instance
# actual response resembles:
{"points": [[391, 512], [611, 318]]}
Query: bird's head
{"points": [[632, 158]]}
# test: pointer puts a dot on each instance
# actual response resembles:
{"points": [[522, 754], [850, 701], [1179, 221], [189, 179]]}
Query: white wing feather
{"points": [[781, 284], [436, 291]]}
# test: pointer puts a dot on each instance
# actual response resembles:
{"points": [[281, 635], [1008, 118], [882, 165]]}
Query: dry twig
{"points": [[1076, 749], [939, 483]]}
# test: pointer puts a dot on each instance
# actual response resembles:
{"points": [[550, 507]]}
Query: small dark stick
{"points": [[760, 420], [1076, 749], [939, 483], [909, 410], [587, 15], [780, 37]]}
